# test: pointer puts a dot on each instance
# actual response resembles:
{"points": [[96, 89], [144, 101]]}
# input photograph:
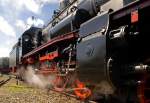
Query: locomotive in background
{"points": [[100, 45], [4, 65]]}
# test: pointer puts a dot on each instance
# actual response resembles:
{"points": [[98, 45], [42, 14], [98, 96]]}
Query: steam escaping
{"points": [[105, 88], [37, 80], [32, 78]]}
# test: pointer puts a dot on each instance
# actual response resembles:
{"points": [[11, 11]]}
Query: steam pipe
{"points": [[142, 68]]}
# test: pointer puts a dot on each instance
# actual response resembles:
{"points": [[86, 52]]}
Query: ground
{"points": [[22, 93]]}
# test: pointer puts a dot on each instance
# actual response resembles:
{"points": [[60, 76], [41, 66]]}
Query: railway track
{"points": [[73, 96], [2, 82], [22, 93]]}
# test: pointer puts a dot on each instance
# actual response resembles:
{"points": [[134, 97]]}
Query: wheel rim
{"points": [[60, 83], [81, 91], [144, 90]]}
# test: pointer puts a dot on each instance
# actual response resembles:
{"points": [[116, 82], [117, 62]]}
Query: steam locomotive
{"points": [[99, 48]]}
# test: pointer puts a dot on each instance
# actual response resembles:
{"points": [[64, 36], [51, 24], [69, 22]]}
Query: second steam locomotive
{"points": [[98, 48]]}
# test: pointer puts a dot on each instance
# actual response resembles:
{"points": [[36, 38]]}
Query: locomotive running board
{"points": [[60, 38]]}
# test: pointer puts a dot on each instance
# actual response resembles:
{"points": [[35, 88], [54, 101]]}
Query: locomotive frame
{"points": [[104, 49]]}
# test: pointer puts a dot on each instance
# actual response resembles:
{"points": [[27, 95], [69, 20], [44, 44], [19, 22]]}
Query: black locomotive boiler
{"points": [[99, 48]]}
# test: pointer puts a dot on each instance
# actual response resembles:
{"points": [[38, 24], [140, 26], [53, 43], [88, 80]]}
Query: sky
{"points": [[16, 17]]}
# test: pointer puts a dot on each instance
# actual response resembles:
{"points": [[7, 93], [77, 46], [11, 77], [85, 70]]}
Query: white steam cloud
{"points": [[36, 80], [6, 28]]}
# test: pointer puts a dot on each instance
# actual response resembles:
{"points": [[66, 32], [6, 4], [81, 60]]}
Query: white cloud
{"points": [[36, 5], [7, 46], [4, 52], [19, 5], [21, 25], [30, 5], [50, 1], [6, 28]]}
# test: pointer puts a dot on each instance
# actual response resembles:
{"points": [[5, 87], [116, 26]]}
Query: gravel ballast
{"points": [[12, 93]]}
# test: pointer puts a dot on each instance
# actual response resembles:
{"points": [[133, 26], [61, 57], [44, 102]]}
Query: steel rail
{"points": [[5, 81]]}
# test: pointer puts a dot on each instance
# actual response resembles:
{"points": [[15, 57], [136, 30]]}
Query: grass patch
{"points": [[18, 88]]}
